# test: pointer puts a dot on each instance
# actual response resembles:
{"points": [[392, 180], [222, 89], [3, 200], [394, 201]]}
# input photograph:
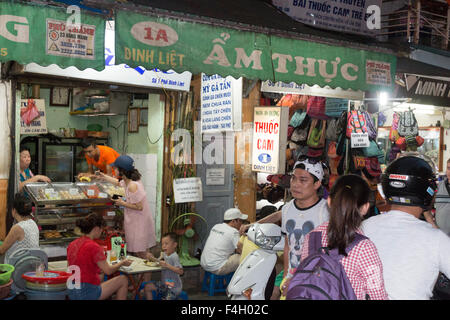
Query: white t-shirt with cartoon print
{"points": [[296, 223]]}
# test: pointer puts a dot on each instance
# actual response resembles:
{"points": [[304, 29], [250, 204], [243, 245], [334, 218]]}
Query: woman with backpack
{"points": [[356, 254]]}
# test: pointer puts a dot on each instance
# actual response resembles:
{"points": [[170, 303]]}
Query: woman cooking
{"points": [[26, 176], [138, 223]]}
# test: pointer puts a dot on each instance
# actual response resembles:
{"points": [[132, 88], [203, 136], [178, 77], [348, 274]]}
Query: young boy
{"points": [[172, 268]]}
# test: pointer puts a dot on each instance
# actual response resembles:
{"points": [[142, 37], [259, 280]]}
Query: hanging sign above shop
{"points": [[119, 74], [167, 43], [45, 35], [221, 103], [343, 15], [33, 110], [269, 139], [293, 88], [187, 190], [424, 90]]}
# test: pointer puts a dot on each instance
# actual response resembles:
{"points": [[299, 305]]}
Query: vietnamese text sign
{"points": [[169, 79], [293, 88], [38, 125], [187, 190], [167, 43], [360, 140], [215, 177], [342, 15], [218, 100], [40, 34], [269, 139], [424, 90]]}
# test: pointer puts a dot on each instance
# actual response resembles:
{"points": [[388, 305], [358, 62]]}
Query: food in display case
{"points": [[111, 190], [52, 234], [91, 190]]}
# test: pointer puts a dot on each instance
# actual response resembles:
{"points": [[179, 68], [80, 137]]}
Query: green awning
{"points": [[46, 35], [167, 43]]}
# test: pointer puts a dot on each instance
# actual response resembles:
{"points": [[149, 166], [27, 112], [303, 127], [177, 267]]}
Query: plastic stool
{"points": [[213, 283], [182, 296]]}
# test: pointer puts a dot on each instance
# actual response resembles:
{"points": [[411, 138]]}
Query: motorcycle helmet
{"points": [[410, 181]]}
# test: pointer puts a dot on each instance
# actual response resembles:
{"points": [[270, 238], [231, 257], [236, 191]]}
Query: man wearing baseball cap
{"points": [[303, 213], [221, 254]]}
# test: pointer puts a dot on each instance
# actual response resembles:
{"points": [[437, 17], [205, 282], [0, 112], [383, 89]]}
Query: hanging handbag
{"points": [[316, 108], [316, 136]]}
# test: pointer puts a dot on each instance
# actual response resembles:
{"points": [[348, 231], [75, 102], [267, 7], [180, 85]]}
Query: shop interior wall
{"points": [[427, 120], [144, 146], [5, 157]]}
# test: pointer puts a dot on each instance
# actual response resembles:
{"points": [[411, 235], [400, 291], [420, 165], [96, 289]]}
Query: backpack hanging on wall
{"points": [[335, 106], [407, 124], [316, 108], [356, 123], [370, 126]]}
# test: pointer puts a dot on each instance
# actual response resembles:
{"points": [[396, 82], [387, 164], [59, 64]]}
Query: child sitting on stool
{"points": [[170, 285]]}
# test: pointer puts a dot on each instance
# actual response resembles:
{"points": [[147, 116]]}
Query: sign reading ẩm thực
{"points": [[269, 139], [47, 35], [221, 103], [167, 43]]}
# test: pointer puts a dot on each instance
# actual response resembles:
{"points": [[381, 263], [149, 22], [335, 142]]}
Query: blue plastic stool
{"points": [[213, 283], [182, 296]]}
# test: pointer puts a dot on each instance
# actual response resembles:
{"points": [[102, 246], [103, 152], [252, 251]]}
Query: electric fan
{"points": [[186, 235]]}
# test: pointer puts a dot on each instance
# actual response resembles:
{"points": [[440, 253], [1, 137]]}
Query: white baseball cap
{"points": [[234, 213], [313, 168]]}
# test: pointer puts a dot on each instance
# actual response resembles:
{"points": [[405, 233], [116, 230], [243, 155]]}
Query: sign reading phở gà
{"points": [[424, 90], [167, 43], [269, 139], [46, 35], [341, 15]]}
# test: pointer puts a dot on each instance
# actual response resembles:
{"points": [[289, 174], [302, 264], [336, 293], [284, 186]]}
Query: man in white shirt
{"points": [[411, 250], [302, 214], [221, 254]]}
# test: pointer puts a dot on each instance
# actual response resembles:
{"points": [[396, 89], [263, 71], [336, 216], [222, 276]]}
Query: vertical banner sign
{"points": [[39, 124], [269, 139], [219, 98], [165, 43], [45, 35]]}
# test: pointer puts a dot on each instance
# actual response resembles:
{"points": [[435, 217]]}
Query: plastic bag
{"points": [[30, 112]]}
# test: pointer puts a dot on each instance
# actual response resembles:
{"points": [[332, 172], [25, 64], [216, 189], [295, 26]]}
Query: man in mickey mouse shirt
{"points": [[303, 213]]}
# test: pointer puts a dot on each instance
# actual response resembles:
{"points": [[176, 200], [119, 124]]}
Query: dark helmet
{"points": [[409, 181]]}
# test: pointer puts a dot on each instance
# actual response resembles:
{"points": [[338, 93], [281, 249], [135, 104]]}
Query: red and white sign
{"points": [[398, 177], [269, 139]]}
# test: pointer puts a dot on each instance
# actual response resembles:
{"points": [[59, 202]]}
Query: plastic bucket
{"points": [[45, 295], [6, 275]]}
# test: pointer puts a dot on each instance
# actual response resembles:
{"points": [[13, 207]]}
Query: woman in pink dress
{"points": [[139, 224]]}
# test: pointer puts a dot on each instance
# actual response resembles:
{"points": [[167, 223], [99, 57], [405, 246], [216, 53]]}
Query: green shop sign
{"points": [[166, 44], [44, 35]]}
